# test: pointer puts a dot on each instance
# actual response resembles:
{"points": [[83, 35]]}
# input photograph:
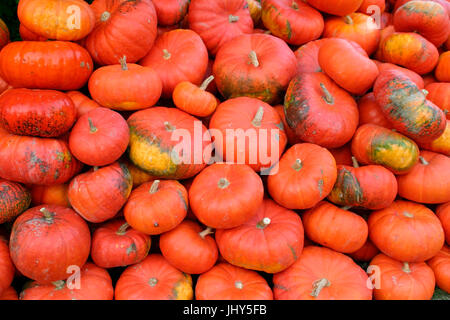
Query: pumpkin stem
{"points": [[206, 83], [239, 285], [153, 282], [294, 5], [346, 208], [408, 215], [92, 128], [166, 54], [423, 161], [406, 267], [297, 165], [47, 214], [154, 186], [327, 95], [263, 223], [169, 127], [348, 20], [59, 284], [223, 183], [205, 232], [355, 162], [105, 16], [256, 122], [318, 285], [253, 59], [232, 18], [425, 92], [122, 229], [123, 63]]}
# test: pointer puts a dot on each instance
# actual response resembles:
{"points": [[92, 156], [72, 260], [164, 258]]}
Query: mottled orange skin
{"points": [[139, 176], [440, 264], [14, 199], [441, 144], [413, 76], [170, 12], [442, 72]]}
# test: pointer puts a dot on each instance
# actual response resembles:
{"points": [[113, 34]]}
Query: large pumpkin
{"points": [[153, 279], [14, 199], [443, 213], [47, 240], [170, 12], [227, 282], [322, 274], [406, 231], [123, 28], [257, 65], [338, 7], [83, 104], [319, 111], [7, 269], [226, 195], [271, 241], [68, 20], [42, 113], [58, 65], [440, 264], [304, 176]]}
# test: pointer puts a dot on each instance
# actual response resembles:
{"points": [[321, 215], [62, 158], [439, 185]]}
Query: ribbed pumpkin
{"points": [[14, 199], [82, 103], [366, 253], [440, 264], [7, 269], [443, 213]]}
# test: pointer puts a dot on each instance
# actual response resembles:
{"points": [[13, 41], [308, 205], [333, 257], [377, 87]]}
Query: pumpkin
{"points": [[304, 176], [33, 160], [406, 107], [428, 18], [271, 241], [239, 118], [335, 228], [219, 21], [82, 103], [170, 12], [440, 264], [195, 100], [156, 207], [28, 35], [3, 86], [123, 28], [442, 71], [428, 181], [14, 199], [99, 137], [428, 79], [441, 144], [153, 279], [226, 195], [4, 34], [98, 194], [7, 269], [373, 144], [254, 6], [139, 176], [290, 134], [68, 20], [115, 244], [42, 113], [366, 253], [410, 50], [384, 33], [439, 94], [257, 66], [342, 155], [338, 7], [56, 194], [9, 294], [178, 55], [396, 280], [372, 187], [57, 65], [189, 247], [168, 143], [443, 3], [358, 27], [47, 240], [406, 231], [308, 56], [319, 111], [370, 112], [125, 87], [94, 284], [293, 21], [443, 213], [227, 282], [413, 76], [368, 6], [339, 59], [322, 274]]}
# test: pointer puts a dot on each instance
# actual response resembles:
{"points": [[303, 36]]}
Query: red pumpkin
{"points": [[442, 71], [47, 240], [56, 194], [99, 194], [14, 200], [219, 21], [42, 113], [271, 241], [28, 35], [4, 34], [439, 94], [370, 112], [68, 20], [153, 279], [228, 282], [9, 294], [123, 28], [342, 155], [308, 56], [257, 65], [33, 160], [293, 21], [125, 87], [406, 231], [115, 244], [290, 134], [189, 247], [94, 284], [236, 118], [139, 176], [338, 7], [156, 207], [170, 12], [304, 176], [99, 137], [413, 76], [319, 111], [4, 86], [366, 253], [440, 264], [7, 269], [428, 181], [322, 274], [443, 213], [82, 103], [395, 280], [57, 65]]}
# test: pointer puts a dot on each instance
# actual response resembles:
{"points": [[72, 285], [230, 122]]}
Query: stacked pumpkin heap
{"points": [[356, 204]]}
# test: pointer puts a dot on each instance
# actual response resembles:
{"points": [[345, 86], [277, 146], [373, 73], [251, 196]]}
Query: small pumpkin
{"points": [[440, 264], [170, 12], [83, 104], [442, 71], [443, 213], [14, 199], [56, 194], [366, 253], [7, 269]]}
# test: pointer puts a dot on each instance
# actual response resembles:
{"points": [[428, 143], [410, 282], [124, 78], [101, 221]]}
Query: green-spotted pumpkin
{"points": [[14, 199]]}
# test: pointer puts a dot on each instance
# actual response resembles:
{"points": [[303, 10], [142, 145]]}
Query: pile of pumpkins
{"points": [[94, 204]]}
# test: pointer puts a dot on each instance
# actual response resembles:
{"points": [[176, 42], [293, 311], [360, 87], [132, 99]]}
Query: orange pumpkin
{"points": [[443, 213], [442, 71], [338, 7], [439, 94], [440, 264], [441, 144], [56, 194]]}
